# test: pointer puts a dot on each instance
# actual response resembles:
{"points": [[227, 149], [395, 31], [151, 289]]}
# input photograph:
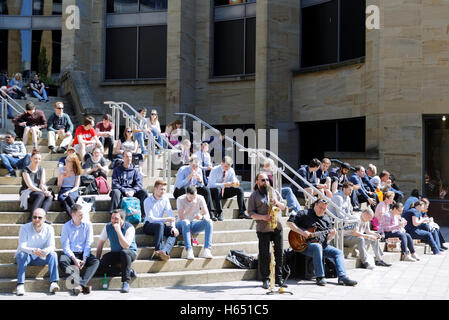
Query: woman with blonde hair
{"points": [[69, 182]]}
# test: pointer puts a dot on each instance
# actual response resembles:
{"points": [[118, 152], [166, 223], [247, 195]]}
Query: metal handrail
{"points": [[152, 143], [9, 98]]}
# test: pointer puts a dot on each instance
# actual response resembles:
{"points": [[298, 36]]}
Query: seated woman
{"points": [[16, 87], [69, 182], [172, 132], [382, 208], [127, 143], [416, 227], [155, 128], [286, 193], [34, 192], [96, 165], [392, 226], [432, 226], [139, 131]]}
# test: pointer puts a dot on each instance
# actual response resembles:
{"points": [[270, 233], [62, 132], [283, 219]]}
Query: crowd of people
{"points": [[199, 189]]}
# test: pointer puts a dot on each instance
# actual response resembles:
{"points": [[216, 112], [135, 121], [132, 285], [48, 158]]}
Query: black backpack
{"points": [[241, 259]]}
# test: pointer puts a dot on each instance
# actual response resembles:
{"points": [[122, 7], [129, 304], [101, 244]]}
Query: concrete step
{"points": [[144, 280]]}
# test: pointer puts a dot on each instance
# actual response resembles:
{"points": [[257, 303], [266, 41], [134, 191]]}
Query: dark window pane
{"points": [[36, 39], [3, 7], [121, 53], [153, 5], [122, 6], [221, 2], [352, 29], [250, 46], [228, 47], [153, 52], [38, 7], [322, 131], [3, 50], [351, 135], [56, 55], [319, 34], [57, 7]]}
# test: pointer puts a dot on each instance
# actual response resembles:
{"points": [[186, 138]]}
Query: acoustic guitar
{"points": [[300, 243]]}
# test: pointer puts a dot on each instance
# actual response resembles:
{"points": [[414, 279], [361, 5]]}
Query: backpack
{"points": [[241, 259], [131, 206], [102, 185]]}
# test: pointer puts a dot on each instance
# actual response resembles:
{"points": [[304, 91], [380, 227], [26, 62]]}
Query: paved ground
{"points": [[425, 279]]}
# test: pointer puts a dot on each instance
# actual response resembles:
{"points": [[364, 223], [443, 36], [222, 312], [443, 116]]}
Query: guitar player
{"points": [[318, 248]]}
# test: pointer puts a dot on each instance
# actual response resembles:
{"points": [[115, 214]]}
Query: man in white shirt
{"points": [[205, 161], [223, 184], [191, 221], [343, 200], [155, 223], [37, 248]]}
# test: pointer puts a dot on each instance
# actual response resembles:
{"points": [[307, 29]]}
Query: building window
{"points": [[3, 7], [332, 31], [234, 38], [342, 135], [51, 41], [3, 50], [134, 6]]}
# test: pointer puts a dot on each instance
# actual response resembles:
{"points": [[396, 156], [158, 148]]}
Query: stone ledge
{"points": [[330, 66], [352, 155], [106, 83], [232, 78]]}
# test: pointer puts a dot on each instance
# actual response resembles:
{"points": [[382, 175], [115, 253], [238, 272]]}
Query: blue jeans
{"points": [[67, 201], [139, 136], [23, 259], [316, 251], [193, 227], [292, 202], [158, 139], [11, 163], [43, 97], [430, 238]]}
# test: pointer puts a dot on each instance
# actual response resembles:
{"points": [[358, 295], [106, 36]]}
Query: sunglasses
{"points": [[129, 131], [154, 114], [8, 137], [264, 180], [36, 217], [60, 108]]}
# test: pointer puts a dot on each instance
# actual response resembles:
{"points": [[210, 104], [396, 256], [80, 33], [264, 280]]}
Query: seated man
{"points": [[122, 239], [155, 207], [86, 138], [362, 195], [301, 223], [338, 176], [60, 129], [105, 132], [205, 161], [191, 221], [309, 173], [13, 154], [76, 241], [322, 175], [127, 182], [361, 235], [31, 122], [37, 248], [223, 184], [38, 88], [192, 175], [342, 200], [387, 185]]}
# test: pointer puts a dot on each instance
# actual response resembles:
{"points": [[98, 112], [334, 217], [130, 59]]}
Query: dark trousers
{"points": [[116, 197], [92, 263], [228, 193], [110, 262], [265, 256], [406, 240], [38, 200], [204, 191], [67, 201], [109, 143], [159, 230]]}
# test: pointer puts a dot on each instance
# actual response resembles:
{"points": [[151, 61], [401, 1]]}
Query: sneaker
{"points": [[87, 290], [320, 281], [161, 255], [382, 263], [414, 256], [20, 289], [407, 257], [345, 281], [266, 284], [190, 255], [54, 287], [132, 273], [11, 175], [52, 149], [366, 265], [444, 247], [77, 290], [125, 287], [207, 254]]}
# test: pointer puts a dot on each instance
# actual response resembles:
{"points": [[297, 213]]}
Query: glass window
{"points": [[153, 52], [353, 32], [229, 40], [121, 53], [228, 2], [250, 49], [3, 7], [153, 5], [38, 7], [3, 50], [122, 6], [57, 7]]}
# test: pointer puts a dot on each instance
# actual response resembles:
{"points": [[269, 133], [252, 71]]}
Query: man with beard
{"points": [[258, 209]]}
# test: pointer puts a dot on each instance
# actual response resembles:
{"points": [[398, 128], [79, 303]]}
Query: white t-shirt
{"points": [[192, 208]]}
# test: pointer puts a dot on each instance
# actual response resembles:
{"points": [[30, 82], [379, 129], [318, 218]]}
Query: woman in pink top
{"points": [[381, 209]]}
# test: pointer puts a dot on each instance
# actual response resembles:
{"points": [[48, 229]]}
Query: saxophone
{"points": [[273, 211]]}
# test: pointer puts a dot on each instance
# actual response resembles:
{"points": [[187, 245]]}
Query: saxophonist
{"points": [[259, 205]]}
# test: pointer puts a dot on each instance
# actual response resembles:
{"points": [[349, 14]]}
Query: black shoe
{"points": [[133, 274], [266, 284], [52, 149], [220, 217], [87, 290], [345, 281], [281, 283], [76, 291], [320, 281], [62, 150], [213, 217], [366, 265], [244, 216], [444, 247], [356, 209], [382, 263]]}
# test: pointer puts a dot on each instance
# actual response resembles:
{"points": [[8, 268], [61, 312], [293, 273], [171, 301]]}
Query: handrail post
{"points": [[169, 171], [148, 158], [153, 157]]}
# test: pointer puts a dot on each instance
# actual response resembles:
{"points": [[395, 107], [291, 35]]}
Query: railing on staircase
{"points": [[8, 101], [118, 111], [256, 155]]}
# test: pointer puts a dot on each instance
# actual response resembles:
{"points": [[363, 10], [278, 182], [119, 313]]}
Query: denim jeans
{"points": [[24, 259], [316, 251], [292, 202], [406, 240], [43, 97], [139, 136], [11, 163], [430, 238], [67, 201], [188, 228]]}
